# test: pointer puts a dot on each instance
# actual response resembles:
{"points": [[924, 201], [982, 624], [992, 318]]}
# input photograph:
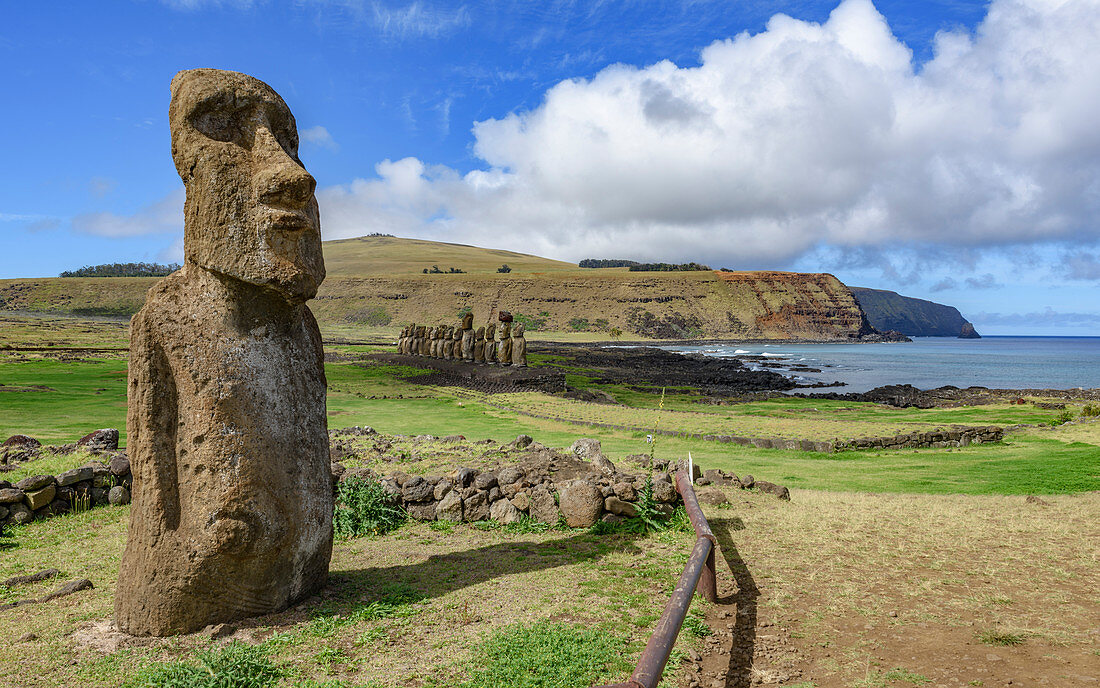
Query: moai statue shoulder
{"points": [[491, 343], [504, 349]]}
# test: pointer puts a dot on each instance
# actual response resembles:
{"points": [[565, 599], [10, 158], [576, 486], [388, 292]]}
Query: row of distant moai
{"points": [[465, 344]]}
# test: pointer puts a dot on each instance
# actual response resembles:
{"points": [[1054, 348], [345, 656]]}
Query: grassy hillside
{"points": [[889, 310], [378, 284]]}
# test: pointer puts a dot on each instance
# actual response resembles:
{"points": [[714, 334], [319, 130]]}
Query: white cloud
{"points": [[319, 136], [165, 215], [804, 135], [101, 186]]}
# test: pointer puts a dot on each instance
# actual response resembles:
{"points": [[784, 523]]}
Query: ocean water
{"points": [[929, 362]]}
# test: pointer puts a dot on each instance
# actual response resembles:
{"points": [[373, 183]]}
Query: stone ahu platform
{"points": [[482, 377]]}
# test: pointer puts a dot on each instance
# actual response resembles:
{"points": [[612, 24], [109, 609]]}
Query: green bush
{"points": [[1063, 418], [579, 324], [362, 508], [1090, 411], [531, 323], [233, 666]]}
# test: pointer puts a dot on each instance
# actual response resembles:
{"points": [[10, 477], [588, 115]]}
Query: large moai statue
{"points": [[491, 343], [414, 341], [425, 341], [519, 347], [479, 345], [504, 348], [467, 338], [232, 501]]}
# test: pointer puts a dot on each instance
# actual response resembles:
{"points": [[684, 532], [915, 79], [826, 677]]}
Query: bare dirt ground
{"points": [[868, 590]]}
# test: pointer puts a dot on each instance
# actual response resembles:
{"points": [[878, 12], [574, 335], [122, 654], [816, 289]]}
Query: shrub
{"points": [[1063, 418], [504, 268], [531, 323], [123, 270], [579, 324], [1090, 411], [606, 263], [363, 508]]}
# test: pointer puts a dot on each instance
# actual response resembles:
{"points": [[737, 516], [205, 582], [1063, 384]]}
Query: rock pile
{"points": [[98, 482]]}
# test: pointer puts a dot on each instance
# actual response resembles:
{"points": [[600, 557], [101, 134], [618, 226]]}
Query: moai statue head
{"points": [[517, 331], [468, 321], [480, 334], [491, 332], [505, 330], [250, 213]]}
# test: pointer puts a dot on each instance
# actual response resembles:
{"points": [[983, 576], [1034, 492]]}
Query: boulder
{"points": [[34, 482], [521, 501], [21, 441], [509, 476], [611, 519], [542, 507], [665, 492], [19, 513], [3, 513], [485, 481], [74, 476], [625, 491], [120, 466], [464, 477], [118, 496], [494, 494], [748, 481], [521, 442], [422, 511], [712, 496], [100, 440], [503, 511], [603, 464], [450, 507], [779, 491], [585, 448], [11, 495], [36, 499], [476, 507], [442, 489], [620, 507], [417, 489], [100, 495], [581, 503]]}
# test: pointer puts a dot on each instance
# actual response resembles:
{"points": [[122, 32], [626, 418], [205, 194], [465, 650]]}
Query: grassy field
{"points": [[830, 589], [887, 569], [61, 394]]}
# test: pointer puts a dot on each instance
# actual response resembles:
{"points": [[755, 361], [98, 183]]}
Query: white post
{"points": [[691, 470]]}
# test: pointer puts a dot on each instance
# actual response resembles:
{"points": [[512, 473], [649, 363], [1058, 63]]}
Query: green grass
{"points": [[548, 655], [233, 666], [82, 396], [1002, 638]]}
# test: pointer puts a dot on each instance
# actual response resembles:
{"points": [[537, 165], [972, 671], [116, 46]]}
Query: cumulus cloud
{"points": [[801, 136], [986, 281], [319, 136], [165, 215], [945, 284]]}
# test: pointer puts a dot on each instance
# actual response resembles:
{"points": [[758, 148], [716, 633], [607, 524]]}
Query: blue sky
{"points": [[945, 150]]}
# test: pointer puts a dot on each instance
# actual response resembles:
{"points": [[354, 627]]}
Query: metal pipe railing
{"points": [[699, 574]]}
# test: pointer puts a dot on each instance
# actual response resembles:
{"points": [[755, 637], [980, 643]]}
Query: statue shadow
{"points": [[351, 589], [739, 673]]}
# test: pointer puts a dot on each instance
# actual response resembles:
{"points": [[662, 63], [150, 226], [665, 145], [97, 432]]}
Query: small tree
{"points": [[504, 268], [616, 333]]}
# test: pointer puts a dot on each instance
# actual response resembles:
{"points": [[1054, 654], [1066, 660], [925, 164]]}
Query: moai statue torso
{"points": [[467, 337], [445, 344], [491, 343], [519, 347], [425, 341], [479, 345], [232, 503], [504, 349]]}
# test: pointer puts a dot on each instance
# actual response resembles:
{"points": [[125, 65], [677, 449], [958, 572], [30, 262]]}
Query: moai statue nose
{"points": [[278, 178]]}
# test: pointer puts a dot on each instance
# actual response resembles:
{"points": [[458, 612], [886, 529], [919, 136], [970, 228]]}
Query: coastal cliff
{"points": [[888, 310]]}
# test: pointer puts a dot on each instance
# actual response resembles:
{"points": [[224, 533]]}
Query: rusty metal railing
{"points": [[699, 574]]}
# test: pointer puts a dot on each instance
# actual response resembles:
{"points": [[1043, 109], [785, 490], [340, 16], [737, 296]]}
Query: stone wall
{"points": [[104, 481]]}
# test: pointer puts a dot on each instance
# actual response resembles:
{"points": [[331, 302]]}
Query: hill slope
{"points": [[378, 282], [888, 310]]}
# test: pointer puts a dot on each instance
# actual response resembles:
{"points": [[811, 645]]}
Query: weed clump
{"points": [[547, 654], [364, 508], [237, 665], [1002, 638]]}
